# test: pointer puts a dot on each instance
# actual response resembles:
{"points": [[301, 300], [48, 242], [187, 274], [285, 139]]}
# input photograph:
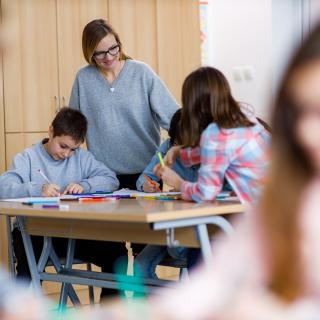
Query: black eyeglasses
{"points": [[113, 51]]}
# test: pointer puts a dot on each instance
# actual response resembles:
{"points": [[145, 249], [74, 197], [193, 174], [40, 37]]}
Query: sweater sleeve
{"points": [[162, 102], [96, 175], [16, 182], [165, 146], [74, 101]]}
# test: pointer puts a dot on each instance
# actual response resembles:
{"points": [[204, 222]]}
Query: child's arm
{"points": [[16, 182], [96, 176], [149, 168]]}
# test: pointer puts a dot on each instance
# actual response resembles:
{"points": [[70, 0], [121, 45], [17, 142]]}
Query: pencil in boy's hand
{"points": [[160, 159], [44, 176]]}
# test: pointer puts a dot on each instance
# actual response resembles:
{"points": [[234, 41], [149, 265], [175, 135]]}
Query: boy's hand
{"points": [[150, 187], [168, 176], [50, 190], [73, 188], [171, 156]]}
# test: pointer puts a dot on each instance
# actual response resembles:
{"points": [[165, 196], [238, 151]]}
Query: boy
{"points": [[147, 260], [57, 165]]}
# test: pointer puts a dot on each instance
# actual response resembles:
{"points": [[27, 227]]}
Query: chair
{"points": [[168, 261]]}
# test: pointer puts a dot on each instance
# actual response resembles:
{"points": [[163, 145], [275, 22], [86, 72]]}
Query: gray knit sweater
{"points": [[23, 179], [124, 117]]}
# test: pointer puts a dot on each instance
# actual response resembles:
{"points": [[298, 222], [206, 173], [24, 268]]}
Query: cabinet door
{"points": [[30, 65], [17, 142], [178, 41], [135, 22], [72, 16]]}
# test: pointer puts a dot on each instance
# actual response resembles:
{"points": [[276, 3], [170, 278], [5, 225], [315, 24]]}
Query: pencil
{"points": [[44, 176], [160, 158], [152, 182]]}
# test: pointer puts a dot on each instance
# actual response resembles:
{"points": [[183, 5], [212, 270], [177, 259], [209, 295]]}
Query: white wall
{"points": [[314, 12], [253, 38], [239, 35], [286, 35]]}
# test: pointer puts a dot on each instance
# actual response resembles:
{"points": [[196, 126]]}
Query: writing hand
{"points": [[50, 190]]}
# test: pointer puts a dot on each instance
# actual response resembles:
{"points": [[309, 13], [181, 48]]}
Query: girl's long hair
{"points": [[290, 173], [207, 98]]}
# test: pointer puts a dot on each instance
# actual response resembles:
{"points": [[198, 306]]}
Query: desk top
{"points": [[125, 210]]}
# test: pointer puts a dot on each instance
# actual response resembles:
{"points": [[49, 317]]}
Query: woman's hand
{"points": [[50, 190], [171, 155], [168, 176], [73, 188]]}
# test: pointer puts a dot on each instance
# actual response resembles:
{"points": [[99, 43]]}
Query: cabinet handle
{"points": [[63, 101], [57, 101]]}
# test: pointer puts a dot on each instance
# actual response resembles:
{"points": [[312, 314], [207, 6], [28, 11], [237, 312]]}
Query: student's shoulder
{"points": [[29, 153], [84, 155]]}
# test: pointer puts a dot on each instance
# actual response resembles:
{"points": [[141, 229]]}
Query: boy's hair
{"points": [[70, 122], [174, 130], [207, 98]]}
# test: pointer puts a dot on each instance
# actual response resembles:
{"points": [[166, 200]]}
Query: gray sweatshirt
{"points": [[23, 179], [124, 117]]}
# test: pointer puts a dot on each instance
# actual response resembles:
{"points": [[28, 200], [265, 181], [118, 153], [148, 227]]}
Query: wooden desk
{"points": [[133, 220]]}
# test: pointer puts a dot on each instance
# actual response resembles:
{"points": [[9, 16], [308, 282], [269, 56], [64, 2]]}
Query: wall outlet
{"points": [[248, 73]]}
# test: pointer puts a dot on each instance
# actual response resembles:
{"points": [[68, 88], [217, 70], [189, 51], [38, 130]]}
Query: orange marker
{"points": [[152, 182]]}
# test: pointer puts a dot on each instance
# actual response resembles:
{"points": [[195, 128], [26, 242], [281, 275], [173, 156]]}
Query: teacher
{"points": [[124, 101]]}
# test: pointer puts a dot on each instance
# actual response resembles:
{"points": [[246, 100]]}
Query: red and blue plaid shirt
{"points": [[239, 155]]}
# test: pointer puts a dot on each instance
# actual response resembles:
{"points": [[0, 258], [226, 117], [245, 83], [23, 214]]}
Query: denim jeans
{"points": [[147, 260]]}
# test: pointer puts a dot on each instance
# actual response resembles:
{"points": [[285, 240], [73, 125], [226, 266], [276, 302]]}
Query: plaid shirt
{"points": [[237, 154]]}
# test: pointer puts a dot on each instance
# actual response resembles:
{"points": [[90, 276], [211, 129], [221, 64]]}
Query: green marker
{"points": [[160, 158]]}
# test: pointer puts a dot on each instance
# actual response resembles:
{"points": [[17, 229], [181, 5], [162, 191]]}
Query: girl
{"points": [[232, 143], [270, 270]]}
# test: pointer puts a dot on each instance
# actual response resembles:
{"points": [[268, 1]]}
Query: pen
{"points": [[160, 158], [30, 203], [152, 182], [44, 176], [55, 206]]}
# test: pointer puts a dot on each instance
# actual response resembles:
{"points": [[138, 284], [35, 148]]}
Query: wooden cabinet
{"points": [[72, 16], [30, 65], [178, 41], [40, 64]]}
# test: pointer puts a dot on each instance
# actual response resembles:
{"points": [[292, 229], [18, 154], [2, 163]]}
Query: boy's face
{"points": [[61, 147]]}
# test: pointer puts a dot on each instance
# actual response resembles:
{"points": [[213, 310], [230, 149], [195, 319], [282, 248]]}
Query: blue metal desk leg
{"points": [[204, 241], [65, 286], [30, 255], [10, 248]]}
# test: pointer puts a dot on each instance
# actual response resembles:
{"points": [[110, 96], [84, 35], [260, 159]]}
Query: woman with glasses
{"points": [[124, 101]]}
